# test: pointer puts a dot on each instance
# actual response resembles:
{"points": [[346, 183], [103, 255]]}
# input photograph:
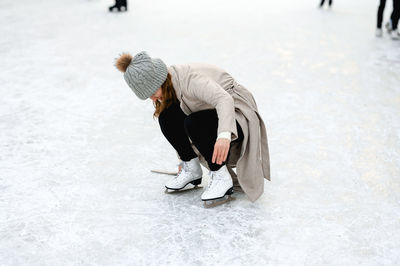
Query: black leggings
{"points": [[394, 17], [322, 2], [200, 126], [395, 14], [381, 8]]}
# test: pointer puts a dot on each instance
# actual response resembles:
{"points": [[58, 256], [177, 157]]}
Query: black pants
{"points": [[201, 127], [381, 8], [394, 17], [395, 14], [323, 1]]}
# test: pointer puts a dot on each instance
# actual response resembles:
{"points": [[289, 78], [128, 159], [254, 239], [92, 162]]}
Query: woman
{"points": [[208, 118]]}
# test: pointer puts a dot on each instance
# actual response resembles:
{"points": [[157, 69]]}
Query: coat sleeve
{"points": [[208, 91]]}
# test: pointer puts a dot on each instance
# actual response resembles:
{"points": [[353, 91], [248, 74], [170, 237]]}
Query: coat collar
{"points": [[175, 82], [178, 90]]}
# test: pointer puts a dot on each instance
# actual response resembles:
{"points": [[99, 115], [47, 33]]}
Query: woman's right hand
{"points": [[221, 149]]}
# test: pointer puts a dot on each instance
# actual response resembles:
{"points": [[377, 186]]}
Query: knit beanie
{"points": [[144, 74]]}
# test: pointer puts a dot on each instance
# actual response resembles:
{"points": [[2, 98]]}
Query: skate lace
{"points": [[210, 181], [213, 177]]}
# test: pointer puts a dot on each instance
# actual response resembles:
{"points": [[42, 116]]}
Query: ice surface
{"points": [[77, 146]]}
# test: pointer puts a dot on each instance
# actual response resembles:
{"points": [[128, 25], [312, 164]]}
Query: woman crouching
{"points": [[209, 119]]}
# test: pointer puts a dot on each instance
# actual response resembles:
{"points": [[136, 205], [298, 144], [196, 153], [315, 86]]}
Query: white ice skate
{"points": [[219, 186], [378, 32], [394, 35], [389, 27], [190, 173]]}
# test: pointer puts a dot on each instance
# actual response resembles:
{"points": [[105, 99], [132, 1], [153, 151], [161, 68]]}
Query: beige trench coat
{"points": [[199, 87]]}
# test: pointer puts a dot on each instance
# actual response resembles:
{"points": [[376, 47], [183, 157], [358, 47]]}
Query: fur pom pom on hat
{"points": [[143, 74], [123, 62]]}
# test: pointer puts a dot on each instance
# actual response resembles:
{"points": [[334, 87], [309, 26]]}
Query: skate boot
{"points": [[394, 35], [190, 173], [219, 186], [388, 26], [378, 32], [118, 5]]}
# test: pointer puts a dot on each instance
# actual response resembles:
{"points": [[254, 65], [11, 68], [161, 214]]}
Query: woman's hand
{"points": [[221, 149]]}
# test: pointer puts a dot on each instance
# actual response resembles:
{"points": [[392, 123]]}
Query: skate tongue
{"points": [[185, 165], [216, 175]]}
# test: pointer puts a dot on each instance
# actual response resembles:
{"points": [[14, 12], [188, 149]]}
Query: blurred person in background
{"points": [[392, 24], [323, 1], [381, 8], [120, 5]]}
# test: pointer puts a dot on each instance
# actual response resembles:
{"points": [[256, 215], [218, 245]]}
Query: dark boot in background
{"points": [[120, 5]]}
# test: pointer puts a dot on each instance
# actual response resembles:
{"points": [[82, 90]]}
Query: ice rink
{"points": [[77, 146]]}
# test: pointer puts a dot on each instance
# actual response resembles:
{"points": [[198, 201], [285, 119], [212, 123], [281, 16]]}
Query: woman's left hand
{"points": [[221, 149]]}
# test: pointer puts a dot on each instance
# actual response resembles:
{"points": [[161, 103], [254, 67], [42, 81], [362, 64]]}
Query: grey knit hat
{"points": [[145, 75]]}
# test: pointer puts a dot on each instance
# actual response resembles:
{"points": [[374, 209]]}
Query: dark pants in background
{"points": [[394, 17], [200, 126], [381, 8], [323, 1], [395, 14]]}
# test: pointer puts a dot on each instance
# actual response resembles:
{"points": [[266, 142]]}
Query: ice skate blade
{"points": [[217, 202], [194, 183], [163, 172], [227, 193], [182, 190]]}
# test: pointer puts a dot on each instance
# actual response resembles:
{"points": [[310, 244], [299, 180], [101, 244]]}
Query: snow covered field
{"points": [[77, 146]]}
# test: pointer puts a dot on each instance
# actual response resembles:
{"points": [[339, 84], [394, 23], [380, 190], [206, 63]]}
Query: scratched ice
{"points": [[77, 146]]}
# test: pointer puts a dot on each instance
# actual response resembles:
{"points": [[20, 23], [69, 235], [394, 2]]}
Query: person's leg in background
{"points": [[381, 8], [394, 20], [118, 4], [395, 14]]}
